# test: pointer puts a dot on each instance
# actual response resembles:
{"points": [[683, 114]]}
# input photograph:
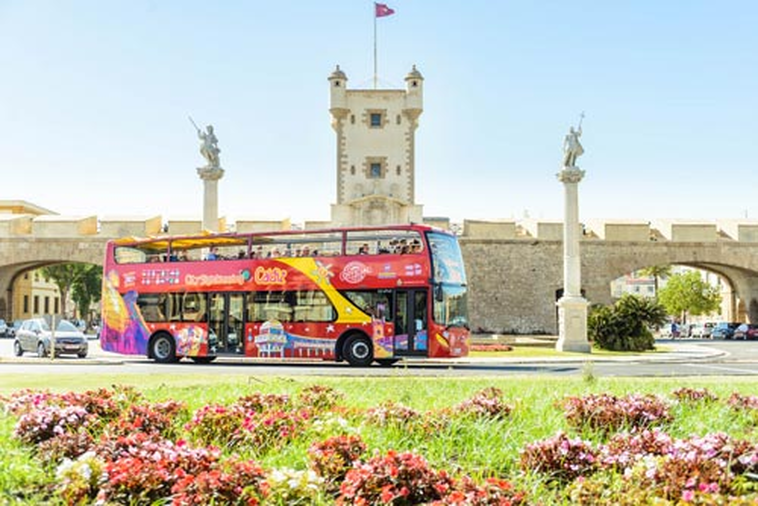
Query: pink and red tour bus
{"points": [[356, 294]]}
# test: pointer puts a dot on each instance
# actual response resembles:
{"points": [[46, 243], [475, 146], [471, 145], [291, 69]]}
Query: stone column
{"points": [[572, 307], [210, 177]]}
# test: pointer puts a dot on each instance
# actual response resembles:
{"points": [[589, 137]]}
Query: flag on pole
{"points": [[381, 10]]}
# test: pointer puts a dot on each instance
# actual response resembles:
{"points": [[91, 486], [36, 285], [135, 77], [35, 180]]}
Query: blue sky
{"points": [[94, 100]]}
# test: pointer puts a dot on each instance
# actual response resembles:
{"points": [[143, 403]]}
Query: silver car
{"points": [[35, 336]]}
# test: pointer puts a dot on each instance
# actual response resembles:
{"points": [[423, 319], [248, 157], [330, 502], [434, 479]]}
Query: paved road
{"points": [[689, 358]]}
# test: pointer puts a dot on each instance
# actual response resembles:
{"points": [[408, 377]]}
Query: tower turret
{"points": [[414, 98], [338, 94]]}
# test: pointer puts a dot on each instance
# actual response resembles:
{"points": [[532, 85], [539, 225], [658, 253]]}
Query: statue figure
{"points": [[572, 148], [208, 145]]}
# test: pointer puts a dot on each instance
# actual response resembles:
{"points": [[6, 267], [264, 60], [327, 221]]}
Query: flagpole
{"points": [[375, 74]]}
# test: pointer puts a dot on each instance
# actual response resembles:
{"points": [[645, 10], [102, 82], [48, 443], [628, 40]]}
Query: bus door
{"points": [[411, 317], [226, 320]]}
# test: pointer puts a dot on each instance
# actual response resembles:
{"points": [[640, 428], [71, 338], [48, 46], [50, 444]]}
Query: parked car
{"points": [[3, 328], [724, 330], [746, 331], [12, 329], [35, 335], [702, 330]]}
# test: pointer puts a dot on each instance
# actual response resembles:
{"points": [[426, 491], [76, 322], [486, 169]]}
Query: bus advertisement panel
{"points": [[360, 295]]}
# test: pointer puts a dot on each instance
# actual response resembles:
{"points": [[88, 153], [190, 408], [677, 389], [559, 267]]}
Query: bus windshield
{"points": [[450, 305], [447, 260]]}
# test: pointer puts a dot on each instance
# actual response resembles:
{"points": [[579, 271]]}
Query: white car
{"points": [[702, 330]]}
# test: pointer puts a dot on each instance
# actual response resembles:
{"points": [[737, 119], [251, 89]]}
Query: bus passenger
{"points": [[363, 250], [213, 255]]}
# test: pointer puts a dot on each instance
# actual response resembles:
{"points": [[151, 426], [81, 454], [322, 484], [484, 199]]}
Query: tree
{"points": [[64, 276], [658, 272], [625, 326], [687, 293], [86, 289]]}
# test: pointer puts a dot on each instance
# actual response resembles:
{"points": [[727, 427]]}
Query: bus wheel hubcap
{"points": [[360, 350], [161, 348]]}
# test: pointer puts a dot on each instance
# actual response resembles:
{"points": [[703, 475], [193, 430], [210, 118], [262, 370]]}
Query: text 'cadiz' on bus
{"points": [[356, 294]]}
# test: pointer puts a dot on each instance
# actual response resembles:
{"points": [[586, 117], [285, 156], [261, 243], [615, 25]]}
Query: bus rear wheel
{"points": [[163, 349], [358, 350]]}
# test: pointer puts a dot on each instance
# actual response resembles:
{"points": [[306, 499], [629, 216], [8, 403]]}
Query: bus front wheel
{"points": [[163, 349], [358, 350]]}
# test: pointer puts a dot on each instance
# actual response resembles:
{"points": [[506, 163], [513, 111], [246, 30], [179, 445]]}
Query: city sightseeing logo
{"points": [[355, 272]]}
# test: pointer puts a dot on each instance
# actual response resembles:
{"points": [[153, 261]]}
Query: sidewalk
{"points": [[681, 352]]}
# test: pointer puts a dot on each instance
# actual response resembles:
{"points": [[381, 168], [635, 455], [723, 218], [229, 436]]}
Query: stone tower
{"points": [[375, 151]]}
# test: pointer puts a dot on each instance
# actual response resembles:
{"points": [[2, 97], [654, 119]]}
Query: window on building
{"points": [[36, 304], [26, 275], [376, 119], [397, 119], [352, 119], [352, 170], [375, 170], [26, 304], [47, 305], [397, 170], [57, 305]]}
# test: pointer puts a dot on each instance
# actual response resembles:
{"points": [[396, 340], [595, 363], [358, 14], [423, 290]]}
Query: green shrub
{"points": [[625, 326]]}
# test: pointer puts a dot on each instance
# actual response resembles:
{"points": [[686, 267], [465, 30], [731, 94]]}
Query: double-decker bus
{"points": [[354, 294]]}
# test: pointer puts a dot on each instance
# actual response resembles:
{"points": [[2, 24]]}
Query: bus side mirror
{"points": [[438, 296]]}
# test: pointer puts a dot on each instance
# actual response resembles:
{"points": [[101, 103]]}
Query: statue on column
{"points": [[208, 146], [572, 148]]}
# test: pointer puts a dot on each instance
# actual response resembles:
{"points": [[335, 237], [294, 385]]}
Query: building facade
{"points": [[34, 296], [375, 151]]}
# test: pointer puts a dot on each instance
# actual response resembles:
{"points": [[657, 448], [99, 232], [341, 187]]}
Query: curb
{"points": [[61, 361]]}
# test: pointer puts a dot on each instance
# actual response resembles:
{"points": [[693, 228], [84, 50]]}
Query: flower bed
{"points": [[114, 447]]}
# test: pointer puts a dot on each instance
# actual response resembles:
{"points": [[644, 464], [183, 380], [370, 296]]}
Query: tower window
{"points": [[414, 84], [352, 119], [352, 170], [336, 84], [397, 170], [376, 119], [375, 167], [397, 119]]}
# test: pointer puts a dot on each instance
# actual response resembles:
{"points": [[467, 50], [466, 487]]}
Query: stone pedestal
{"points": [[210, 177], [572, 307], [572, 325]]}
